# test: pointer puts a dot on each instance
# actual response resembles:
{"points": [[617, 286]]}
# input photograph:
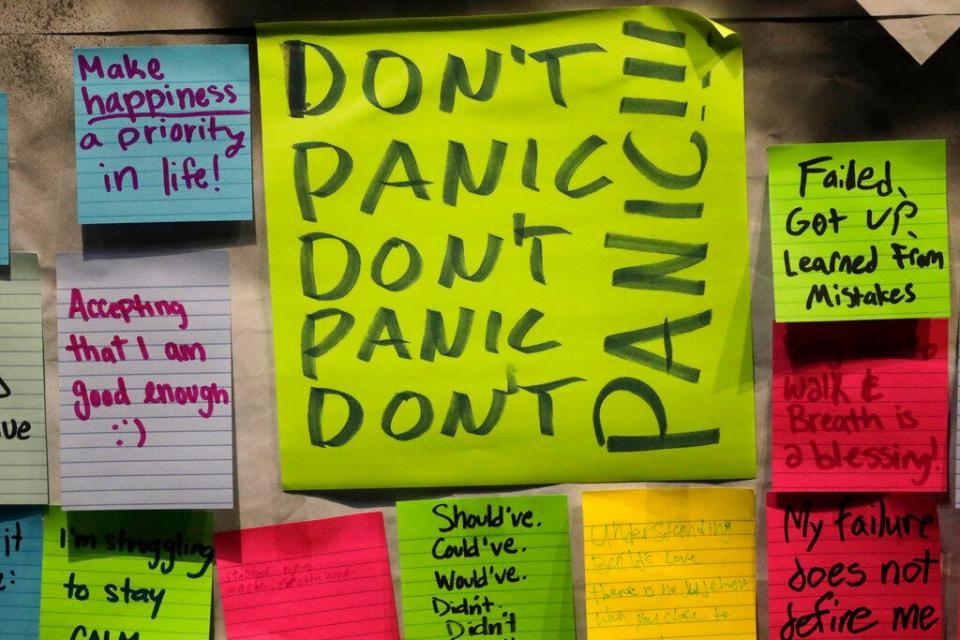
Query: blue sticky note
{"points": [[21, 552], [4, 185], [163, 134]]}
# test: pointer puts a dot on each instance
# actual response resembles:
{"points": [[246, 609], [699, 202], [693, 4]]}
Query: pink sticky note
{"points": [[853, 566], [860, 406], [325, 579]]}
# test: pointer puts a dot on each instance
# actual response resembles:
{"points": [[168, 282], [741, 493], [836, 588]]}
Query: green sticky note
{"points": [[139, 575], [23, 431], [500, 234], [498, 567], [21, 552], [859, 230]]}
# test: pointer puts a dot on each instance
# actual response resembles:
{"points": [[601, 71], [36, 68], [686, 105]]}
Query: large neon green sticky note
{"points": [[859, 230], [499, 235], [496, 567], [127, 575]]}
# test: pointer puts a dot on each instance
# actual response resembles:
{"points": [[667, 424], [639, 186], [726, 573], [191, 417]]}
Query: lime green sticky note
{"points": [[496, 235], [859, 230], [23, 436], [498, 567], [126, 573]]}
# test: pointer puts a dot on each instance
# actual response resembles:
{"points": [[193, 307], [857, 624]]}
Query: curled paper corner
{"points": [[719, 40], [921, 27]]}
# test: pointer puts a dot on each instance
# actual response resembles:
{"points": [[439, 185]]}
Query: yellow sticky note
{"points": [[670, 563], [496, 235], [859, 230]]}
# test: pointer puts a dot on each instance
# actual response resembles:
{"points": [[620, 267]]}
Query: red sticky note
{"points": [[853, 566], [860, 406], [318, 579]]}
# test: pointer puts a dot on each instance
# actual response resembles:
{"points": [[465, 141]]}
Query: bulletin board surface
{"points": [[814, 71]]}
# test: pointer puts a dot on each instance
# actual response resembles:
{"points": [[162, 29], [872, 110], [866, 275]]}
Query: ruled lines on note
{"points": [[956, 441], [498, 565], [318, 579], [146, 400], [854, 566], [23, 428], [664, 564], [859, 230], [21, 551], [860, 406]]}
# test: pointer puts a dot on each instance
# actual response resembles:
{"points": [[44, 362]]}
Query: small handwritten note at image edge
{"points": [[956, 434], [23, 442], [670, 563], [21, 550], [329, 577], [4, 184]]}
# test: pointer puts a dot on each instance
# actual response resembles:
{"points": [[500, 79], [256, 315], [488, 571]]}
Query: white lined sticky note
{"points": [[956, 440], [23, 428], [146, 401]]}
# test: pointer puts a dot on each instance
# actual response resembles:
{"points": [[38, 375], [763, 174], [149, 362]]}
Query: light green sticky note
{"points": [[126, 573], [498, 567], [859, 230], [23, 428]]}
